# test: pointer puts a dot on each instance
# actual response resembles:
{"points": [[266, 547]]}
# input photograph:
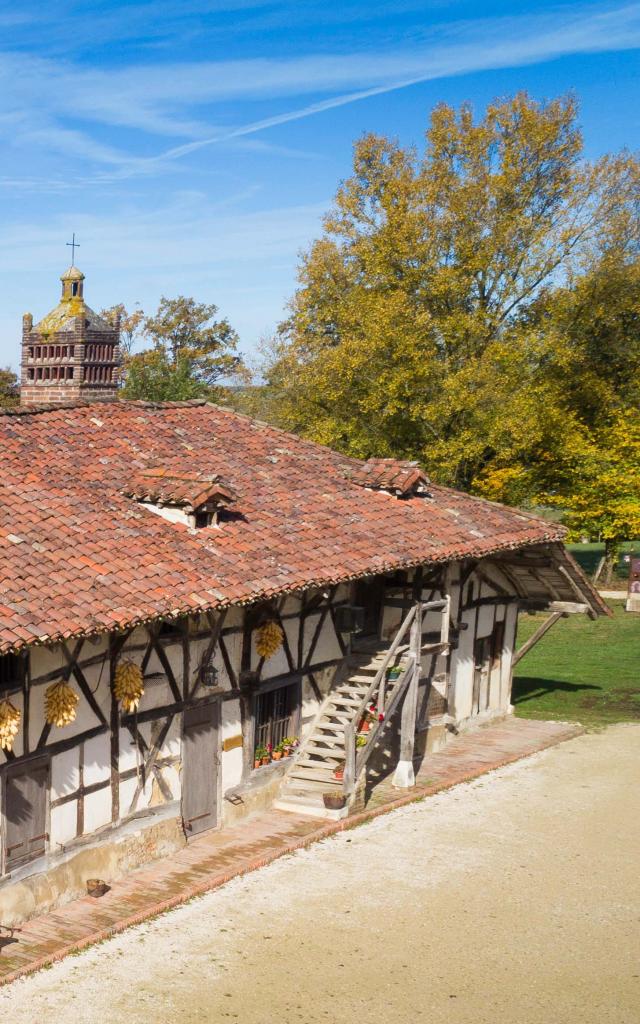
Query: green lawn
{"points": [[588, 555], [581, 670]]}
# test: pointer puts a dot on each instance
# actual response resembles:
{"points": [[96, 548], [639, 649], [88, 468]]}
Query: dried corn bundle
{"points": [[9, 724], [60, 704], [128, 685], [269, 639]]}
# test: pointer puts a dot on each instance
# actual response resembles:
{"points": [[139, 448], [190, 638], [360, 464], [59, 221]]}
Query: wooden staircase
{"points": [[312, 773], [337, 739]]}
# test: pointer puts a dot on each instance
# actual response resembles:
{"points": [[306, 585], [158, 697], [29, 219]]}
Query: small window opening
{"points": [[275, 716], [11, 671], [74, 288], [31, 374], [202, 518]]}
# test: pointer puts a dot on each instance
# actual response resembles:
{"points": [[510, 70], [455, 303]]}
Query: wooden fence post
{"points": [[404, 776]]}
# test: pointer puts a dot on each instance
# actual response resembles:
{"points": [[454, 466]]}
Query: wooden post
{"points": [[404, 776], [349, 778], [539, 633]]}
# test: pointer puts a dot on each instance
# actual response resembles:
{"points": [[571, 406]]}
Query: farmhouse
{"points": [[202, 615]]}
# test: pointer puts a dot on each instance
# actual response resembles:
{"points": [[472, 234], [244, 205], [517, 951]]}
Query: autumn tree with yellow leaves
{"points": [[451, 311]]}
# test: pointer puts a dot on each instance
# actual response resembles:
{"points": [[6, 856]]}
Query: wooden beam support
{"points": [[539, 633]]}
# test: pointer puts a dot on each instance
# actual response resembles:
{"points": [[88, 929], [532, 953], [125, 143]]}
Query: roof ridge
{"points": [[83, 403]]}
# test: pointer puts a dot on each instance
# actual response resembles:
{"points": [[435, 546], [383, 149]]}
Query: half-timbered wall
{"points": [[108, 768]]}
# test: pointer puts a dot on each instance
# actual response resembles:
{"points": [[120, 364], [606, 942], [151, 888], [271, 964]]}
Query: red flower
{"points": [[381, 717]]}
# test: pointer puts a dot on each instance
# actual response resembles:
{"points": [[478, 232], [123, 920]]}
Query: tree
{"points": [[9, 389], [191, 351], [129, 322], [602, 492], [415, 329]]}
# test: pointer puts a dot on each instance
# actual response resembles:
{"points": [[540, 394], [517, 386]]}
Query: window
{"points": [[74, 288], [202, 518], [11, 670], [276, 714]]}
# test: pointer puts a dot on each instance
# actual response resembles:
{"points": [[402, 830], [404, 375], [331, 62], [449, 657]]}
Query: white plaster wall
{"points": [[97, 809], [65, 773], [462, 666], [63, 824], [231, 768], [97, 759]]}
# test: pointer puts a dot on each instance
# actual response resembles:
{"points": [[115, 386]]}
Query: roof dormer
{"points": [[404, 479], [193, 499]]}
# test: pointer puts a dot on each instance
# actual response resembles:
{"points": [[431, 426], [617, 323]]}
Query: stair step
{"points": [[328, 763], [349, 702], [334, 741], [340, 715], [310, 786], [310, 775], [331, 752], [332, 729]]}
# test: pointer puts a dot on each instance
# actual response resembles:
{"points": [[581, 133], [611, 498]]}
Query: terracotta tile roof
{"points": [[392, 475], [78, 556]]}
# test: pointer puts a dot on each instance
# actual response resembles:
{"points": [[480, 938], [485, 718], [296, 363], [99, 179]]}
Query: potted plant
{"points": [[394, 673], [261, 756], [267, 758], [338, 772], [334, 801], [289, 745], [278, 751], [361, 740]]}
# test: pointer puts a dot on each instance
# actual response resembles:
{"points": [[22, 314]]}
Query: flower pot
{"points": [[366, 725], [257, 763], [277, 754], [338, 774], [334, 801], [266, 760]]}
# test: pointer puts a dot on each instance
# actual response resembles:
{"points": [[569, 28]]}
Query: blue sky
{"points": [[194, 146]]}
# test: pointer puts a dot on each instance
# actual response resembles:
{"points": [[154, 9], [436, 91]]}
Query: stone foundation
{"points": [[111, 857]]}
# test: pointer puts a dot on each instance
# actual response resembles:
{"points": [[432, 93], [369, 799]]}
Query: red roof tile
{"points": [[77, 554]]}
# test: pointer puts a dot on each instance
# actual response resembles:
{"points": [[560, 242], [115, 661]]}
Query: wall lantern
{"points": [[209, 676]]}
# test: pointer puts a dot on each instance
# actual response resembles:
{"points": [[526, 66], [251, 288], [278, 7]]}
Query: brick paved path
{"points": [[213, 859]]}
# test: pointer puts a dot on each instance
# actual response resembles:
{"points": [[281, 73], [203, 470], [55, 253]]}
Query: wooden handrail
{"points": [[380, 674]]}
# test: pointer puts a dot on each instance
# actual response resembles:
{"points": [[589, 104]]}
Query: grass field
{"points": [[588, 555], [581, 670]]}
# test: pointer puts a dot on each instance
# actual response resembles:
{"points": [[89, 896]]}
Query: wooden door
{"points": [[482, 666], [25, 813], [200, 768], [369, 595]]}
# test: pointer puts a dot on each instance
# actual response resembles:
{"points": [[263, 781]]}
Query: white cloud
{"points": [[77, 104]]}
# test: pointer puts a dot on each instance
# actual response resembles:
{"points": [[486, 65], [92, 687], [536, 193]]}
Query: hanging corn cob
{"points": [[60, 704], [128, 685], [269, 639], [9, 724]]}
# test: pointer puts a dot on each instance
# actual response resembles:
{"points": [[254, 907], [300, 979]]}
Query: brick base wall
{"points": [[57, 394]]}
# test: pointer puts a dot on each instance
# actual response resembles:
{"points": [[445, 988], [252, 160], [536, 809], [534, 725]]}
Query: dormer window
{"points": [[192, 499], [395, 476]]}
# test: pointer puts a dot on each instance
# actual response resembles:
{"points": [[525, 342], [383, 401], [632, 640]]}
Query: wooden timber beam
{"points": [[539, 633]]}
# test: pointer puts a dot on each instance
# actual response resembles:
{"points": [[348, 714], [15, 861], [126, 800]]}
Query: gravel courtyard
{"points": [[511, 900]]}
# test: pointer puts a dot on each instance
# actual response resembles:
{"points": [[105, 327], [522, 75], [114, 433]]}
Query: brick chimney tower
{"points": [[72, 353]]}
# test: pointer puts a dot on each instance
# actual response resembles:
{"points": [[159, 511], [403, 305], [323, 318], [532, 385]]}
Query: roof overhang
{"points": [[546, 577]]}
